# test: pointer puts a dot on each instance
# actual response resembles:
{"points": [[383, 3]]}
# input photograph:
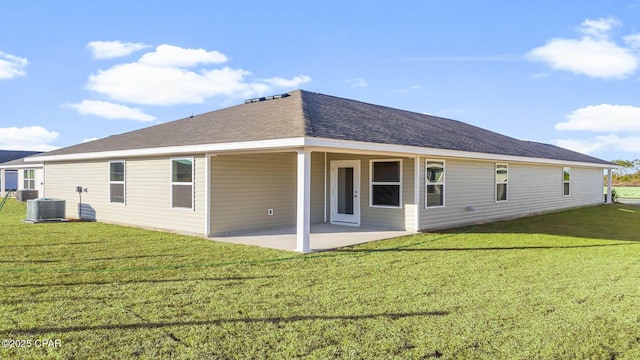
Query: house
{"points": [[15, 174], [303, 158]]}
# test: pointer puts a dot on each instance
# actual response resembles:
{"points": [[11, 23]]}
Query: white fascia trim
{"points": [[24, 166], [310, 142], [181, 150], [433, 152]]}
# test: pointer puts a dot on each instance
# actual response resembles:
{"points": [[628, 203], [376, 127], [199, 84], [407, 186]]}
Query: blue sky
{"points": [[561, 72]]}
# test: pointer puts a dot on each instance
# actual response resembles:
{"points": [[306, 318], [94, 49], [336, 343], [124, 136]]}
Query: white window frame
{"points": [[193, 175], [372, 183], [123, 183], [427, 183], [564, 182], [506, 183], [30, 179]]}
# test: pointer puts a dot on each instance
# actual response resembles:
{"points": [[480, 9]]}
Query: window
{"points": [[434, 182], [116, 182], [182, 183], [502, 173], [29, 179], [386, 183], [566, 182]]}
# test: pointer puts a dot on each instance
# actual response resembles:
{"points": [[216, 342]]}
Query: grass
{"points": [[561, 285], [628, 192]]}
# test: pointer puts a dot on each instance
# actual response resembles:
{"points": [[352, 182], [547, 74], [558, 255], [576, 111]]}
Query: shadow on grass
{"points": [[50, 300], [52, 244], [134, 257], [543, 247], [150, 281], [272, 320], [173, 256], [28, 261]]}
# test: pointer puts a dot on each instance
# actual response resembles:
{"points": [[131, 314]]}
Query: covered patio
{"points": [[323, 237]]}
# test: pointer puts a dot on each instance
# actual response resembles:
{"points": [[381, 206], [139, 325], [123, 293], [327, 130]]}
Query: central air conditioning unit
{"points": [[45, 209]]}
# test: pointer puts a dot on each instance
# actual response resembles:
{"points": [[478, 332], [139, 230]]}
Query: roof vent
{"points": [[265, 98]]}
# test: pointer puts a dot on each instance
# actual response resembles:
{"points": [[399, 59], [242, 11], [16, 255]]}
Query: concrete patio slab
{"points": [[627, 201], [323, 237]]}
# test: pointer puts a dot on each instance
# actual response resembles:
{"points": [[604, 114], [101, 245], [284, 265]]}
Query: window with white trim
{"points": [[182, 183], [116, 182], [385, 178], [502, 175], [434, 182], [566, 181], [29, 179]]}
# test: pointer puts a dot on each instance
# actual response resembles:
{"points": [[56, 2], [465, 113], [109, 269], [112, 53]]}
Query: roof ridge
{"points": [[307, 115]]}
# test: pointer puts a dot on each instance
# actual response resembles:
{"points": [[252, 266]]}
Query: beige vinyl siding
{"points": [[531, 189], [377, 216], [147, 189], [244, 187], [317, 187]]}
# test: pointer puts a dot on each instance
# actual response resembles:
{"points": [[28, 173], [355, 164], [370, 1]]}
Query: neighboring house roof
{"points": [[9, 155], [307, 114]]}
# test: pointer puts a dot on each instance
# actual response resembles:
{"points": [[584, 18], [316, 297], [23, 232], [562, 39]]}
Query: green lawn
{"points": [[628, 192], [558, 286]]}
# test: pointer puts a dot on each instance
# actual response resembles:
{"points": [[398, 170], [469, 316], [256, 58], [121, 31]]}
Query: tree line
{"points": [[628, 175]]}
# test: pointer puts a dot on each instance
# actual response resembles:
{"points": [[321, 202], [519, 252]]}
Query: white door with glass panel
{"points": [[345, 192]]}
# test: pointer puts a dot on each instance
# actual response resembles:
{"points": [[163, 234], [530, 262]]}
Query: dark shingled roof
{"points": [[9, 155], [310, 114]]}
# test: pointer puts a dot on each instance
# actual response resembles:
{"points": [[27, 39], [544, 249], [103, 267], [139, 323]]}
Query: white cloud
{"points": [[173, 56], [33, 138], [633, 40], [587, 56], [89, 139], [585, 146], [109, 110], [161, 78], [11, 66], [357, 82], [603, 118], [629, 144], [113, 49], [594, 54], [598, 28], [287, 83]]}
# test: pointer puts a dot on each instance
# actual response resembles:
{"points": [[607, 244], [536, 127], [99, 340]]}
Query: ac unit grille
{"points": [[45, 209]]}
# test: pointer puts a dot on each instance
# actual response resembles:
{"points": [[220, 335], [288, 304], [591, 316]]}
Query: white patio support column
{"points": [[609, 185], [2, 183], [416, 191], [303, 209], [207, 195]]}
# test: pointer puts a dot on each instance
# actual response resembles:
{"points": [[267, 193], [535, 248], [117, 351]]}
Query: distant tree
{"points": [[628, 175], [628, 167]]}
